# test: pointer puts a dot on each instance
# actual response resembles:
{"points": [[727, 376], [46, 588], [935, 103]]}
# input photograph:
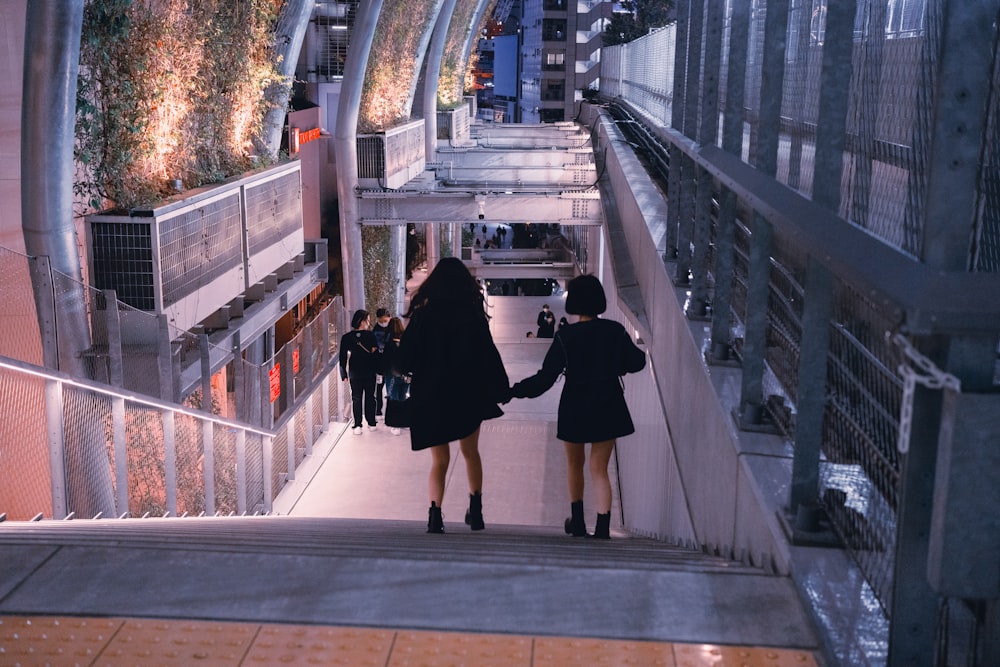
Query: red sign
{"points": [[295, 360], [275, 377]]}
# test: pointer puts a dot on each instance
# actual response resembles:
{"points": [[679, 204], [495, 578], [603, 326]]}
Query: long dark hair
{"points": [[451, 284]]}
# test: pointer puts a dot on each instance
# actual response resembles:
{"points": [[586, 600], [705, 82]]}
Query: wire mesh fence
{"points": [[839, 103]]}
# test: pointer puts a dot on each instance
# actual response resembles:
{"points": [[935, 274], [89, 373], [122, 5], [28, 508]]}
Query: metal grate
{"points": [[274, 211], [123, 261], [199, 245], [330, 30]]}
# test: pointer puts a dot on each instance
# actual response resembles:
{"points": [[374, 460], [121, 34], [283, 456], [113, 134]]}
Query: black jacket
{"points": [[362, 349], [594, 355], [458, 376]]}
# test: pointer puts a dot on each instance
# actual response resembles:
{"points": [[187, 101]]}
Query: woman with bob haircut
{"points": [[593, 353], [457, 379]]}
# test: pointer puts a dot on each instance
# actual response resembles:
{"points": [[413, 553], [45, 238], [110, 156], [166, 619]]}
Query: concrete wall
{"points": [[718, 487]]}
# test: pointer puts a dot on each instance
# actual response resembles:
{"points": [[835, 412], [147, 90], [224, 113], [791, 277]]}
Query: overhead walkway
{"points": [[347, 575]]}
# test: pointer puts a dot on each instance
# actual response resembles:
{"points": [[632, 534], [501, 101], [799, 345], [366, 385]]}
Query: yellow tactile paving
{"points": [[560, 651], [54, 640], [62, 641], [450, 649], [320, 645], [168, 642], [708, 655]]}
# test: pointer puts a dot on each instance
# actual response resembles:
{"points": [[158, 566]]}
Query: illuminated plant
{"points": [[168, 90]]}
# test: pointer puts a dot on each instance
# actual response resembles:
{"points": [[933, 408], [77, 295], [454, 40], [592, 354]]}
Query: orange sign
{"points": [[275, 377]]}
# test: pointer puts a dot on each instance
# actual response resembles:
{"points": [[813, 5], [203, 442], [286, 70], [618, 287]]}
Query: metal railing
{"points": [[88, 450], [843, 258]]}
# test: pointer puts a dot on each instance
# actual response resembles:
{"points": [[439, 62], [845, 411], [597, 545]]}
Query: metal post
{"points": [[325, 412], [239, 379], [677, 160], [57, 454], [208, 464], [811, 395], [112, 320], [707, 133], [690, 173], [756, 318], [241, 471], [170, 460], [290, 437], [831, 126], [164, 359], [766, 159], [205, 348], [121, 454], [914, 607], [732, 142], [267, 470], [307, 415]]}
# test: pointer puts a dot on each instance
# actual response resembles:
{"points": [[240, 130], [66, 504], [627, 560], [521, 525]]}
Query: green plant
{"points": [[392, 64], [379, 265], [170, 90]]}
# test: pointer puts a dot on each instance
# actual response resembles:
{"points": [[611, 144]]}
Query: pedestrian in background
{"points": [[359, 362], [546, 323], [593, 353], [457, 380], [381, 331], [397, 386]]}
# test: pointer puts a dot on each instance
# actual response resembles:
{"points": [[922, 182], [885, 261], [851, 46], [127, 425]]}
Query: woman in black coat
{"points": [[457, 379], [360, 362], [594, 354]]}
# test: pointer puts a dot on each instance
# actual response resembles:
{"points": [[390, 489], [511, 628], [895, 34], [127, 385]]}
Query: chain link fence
{"points": [[843, 105]]}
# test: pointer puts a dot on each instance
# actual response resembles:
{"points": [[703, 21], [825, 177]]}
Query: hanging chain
{"points": [[930, 376]]}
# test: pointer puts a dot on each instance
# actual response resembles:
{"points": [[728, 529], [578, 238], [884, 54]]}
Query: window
{"points": [[554, 60], [554, 30], [906, 18]]}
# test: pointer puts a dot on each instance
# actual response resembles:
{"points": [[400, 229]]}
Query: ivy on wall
{"points": [[454, 61], [392, 64], [170, 90], [379, 265]]}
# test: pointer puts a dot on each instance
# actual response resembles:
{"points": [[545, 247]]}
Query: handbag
{"points": [[397, 404]]}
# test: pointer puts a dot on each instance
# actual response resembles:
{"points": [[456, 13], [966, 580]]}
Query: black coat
{"points": [[593, 354], [457, 374], [362, 349]]}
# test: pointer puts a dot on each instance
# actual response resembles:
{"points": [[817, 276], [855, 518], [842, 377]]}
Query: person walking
{"points": [[381, 331], [546, 323], [457, 379], [359, 362], [593, 353], [397, 387]]}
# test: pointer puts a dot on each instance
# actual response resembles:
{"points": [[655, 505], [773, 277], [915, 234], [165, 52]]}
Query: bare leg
{"points": [[473, 462], [600, 457], [576, 456], [440, 458]]}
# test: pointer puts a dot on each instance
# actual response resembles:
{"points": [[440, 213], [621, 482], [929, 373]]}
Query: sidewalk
{"points": [[376, 476]]}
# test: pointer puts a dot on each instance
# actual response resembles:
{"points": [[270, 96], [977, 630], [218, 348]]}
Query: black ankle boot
{"points": [[603, 528], [435, 522], [575, 524], [474, 517]]}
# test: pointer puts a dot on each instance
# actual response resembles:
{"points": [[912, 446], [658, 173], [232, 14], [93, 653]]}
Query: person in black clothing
{"points": [[381, 331], [397, 386], [593, 353], [359, 362], [457, 380], [546, 323]]}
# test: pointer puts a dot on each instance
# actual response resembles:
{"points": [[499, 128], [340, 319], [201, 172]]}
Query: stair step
{"points": [[404, 540]]}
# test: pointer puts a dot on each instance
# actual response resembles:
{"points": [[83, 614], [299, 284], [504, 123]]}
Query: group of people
{"points": [[592, 354], [367, 354]]}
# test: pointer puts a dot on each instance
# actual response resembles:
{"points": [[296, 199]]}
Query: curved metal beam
{"points": [[345, 147]]}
